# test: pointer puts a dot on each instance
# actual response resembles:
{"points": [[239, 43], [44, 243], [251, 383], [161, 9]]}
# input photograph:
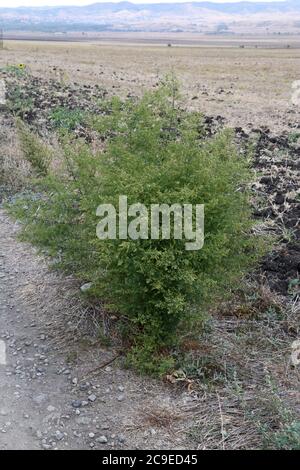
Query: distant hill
{"points": [[206, 17]]}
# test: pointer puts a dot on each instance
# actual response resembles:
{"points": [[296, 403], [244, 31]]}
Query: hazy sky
{"points": [[36, 3]]}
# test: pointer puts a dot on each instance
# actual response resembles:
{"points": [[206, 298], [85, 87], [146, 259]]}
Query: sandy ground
{"points": [[250, 87]]}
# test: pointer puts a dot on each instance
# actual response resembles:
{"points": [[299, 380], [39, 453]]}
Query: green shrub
{"points": [[66, 119], [287, 438], [293, 137], [155, 153], [34, 150], [18, 70], [19, 103]]}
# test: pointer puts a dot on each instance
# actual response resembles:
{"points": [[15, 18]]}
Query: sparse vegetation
{"points": [[34, 150], [66, 120]]}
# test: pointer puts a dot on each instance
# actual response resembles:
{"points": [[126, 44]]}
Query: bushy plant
{"points": [[19, 103], [287, 438], [156, 152], [67, 119], [17, 70], [34, 150]]}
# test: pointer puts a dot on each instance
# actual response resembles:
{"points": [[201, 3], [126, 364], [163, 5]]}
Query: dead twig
{"points": [[91, 372]]}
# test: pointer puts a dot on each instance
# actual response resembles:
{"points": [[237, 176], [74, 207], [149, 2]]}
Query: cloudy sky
{"points": [[36, 3]]}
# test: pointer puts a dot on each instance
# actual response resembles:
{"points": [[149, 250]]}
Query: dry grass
{"points": [[14, 170], [244, 85], [161, 417]]}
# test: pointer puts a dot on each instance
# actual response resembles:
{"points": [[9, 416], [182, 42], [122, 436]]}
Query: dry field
{"points": [[250, 86]]}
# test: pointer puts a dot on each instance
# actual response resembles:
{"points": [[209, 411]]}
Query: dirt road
{"points": [[46, 402]]}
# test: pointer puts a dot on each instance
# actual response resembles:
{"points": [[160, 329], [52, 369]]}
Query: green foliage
{"points": [[107, 123], [66, 119], [19, 103], [35, 151], [274, 419], [293, 137], [155, 153], [287, 438], [18, 70], [287, 434]]}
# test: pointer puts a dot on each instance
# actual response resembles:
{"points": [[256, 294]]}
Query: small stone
{"points": [[86, 287], [46, 446], [76, 403], [91, 435], [120, 397], [39, 399], [83, 420], [102, 440], [83, 387], [50, 408], [59, 435], [92, 397]]}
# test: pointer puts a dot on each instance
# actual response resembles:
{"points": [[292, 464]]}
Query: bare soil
{"points": [[249, 86]]}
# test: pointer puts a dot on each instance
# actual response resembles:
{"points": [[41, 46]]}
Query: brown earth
{"points": [[250, 87]]}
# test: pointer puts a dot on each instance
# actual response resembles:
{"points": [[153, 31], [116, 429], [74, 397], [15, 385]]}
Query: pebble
{"points": [[86, 287], [59, 435], [76, 403], [46, 446], [102, 440], [92, 397], [40, 399]]}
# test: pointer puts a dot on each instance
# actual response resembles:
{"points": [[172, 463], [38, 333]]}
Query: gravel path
{"points": [[46, 400]]}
